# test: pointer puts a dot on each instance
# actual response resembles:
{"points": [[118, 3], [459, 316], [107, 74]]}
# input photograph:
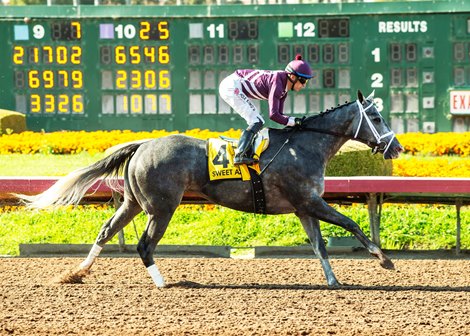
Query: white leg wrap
{"points": [[94, 252], [156, 276]]}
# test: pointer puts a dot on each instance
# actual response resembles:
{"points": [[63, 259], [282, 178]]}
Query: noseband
{"points": [[380, 143]]}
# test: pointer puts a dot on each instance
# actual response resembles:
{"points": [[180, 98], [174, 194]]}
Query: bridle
{"points": [[380, 144]]}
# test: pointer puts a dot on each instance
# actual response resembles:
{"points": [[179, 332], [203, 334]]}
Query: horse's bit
{"points": [[380, 143]]}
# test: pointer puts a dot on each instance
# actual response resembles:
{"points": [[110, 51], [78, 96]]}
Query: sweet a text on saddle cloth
{"points": [[220, 160]]}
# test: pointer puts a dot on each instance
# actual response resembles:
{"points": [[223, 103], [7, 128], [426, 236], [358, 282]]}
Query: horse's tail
{"points": [[71, 188]]}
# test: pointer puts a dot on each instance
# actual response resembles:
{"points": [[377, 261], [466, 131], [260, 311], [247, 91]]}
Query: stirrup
{"points": [[244, 160]]}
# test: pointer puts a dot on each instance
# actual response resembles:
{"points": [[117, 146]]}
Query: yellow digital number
{"points": [[63, 103], [151, 104], [165, 103], [136, 79], [136, 103], [163, 55], [121, 79], [77, 103], [144, 30], [48, 54], [163, 30], [33, 79], [63, 78], [120, 54], [18, 55], [77, 79], [48, 78], [164, 79], [124, 106], [49, 103], [35, 103], [149, 53], [76, 30], [135, 54], [76, 55], [61, 54], [35, 55], [150, 79]]}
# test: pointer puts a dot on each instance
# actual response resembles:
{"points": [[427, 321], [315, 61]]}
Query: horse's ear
{"points": [[360, 97], [371, 96]]}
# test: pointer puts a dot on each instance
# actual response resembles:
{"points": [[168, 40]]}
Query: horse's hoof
{"points": [[387, 264], [334, 285]]}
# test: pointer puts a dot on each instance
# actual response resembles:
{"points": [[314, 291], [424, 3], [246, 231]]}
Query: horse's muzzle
{"points": [[394, 150], [391, 151], [379, 148]]}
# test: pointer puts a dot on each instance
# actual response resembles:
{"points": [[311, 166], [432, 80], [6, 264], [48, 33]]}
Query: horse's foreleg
{"points": [[312, 228], [156, 227], [321, 210]]}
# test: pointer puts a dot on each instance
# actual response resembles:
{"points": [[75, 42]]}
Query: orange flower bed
{"points": [[440, 154], [421, 166], [71, 142], [436, 144]]}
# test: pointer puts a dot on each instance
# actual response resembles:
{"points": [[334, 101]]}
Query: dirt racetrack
{"points": [[236, 297]]}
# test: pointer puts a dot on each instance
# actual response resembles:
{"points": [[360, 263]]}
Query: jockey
{"points": [[243, 85]]}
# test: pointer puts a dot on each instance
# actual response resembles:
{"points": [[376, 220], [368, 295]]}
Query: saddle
{"points": [[220, 154]]}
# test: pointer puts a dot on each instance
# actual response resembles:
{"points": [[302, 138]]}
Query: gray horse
{"points": [[158, 172]]}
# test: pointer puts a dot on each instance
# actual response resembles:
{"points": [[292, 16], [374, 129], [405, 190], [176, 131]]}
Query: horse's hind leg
{"points": [[312, 228], [126, 212], [156, 227], [321, 210]]}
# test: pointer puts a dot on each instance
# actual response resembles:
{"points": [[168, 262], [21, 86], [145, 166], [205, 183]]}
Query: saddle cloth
{"points": [[220, 154]]}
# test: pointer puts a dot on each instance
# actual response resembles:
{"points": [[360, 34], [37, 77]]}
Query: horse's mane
{"points": [[328, 111], [319, 115]]}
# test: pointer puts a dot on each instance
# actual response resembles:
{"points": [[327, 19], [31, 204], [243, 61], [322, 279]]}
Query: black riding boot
{"points": [[244, 150], [245, 145]]}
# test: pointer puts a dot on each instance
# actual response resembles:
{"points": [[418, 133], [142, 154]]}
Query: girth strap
{"points": [[259, 201]]}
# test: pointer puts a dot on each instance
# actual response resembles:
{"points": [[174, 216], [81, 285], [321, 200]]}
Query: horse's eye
{"points": [[377, 120]]}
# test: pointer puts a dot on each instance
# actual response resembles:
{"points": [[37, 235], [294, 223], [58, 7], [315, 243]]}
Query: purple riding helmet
{"points": [[299, 68]]}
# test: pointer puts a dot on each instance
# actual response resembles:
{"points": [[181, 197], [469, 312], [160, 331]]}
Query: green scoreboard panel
{"points": [[158, 67]]}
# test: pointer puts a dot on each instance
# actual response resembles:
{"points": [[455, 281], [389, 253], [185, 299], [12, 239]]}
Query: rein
{"points": [[363, 116], [279, 150], [294, 129]]}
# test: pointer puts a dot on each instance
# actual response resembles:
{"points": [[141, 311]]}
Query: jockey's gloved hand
{"points": [[299, 121], [295, 122]]}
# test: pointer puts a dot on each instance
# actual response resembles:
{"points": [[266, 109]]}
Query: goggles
{"points": [[302, 80]]}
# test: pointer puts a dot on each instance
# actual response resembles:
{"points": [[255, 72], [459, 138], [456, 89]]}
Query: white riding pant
{"points": [[230, 89]]}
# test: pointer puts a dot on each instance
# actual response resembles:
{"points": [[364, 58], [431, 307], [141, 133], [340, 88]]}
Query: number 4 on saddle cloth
{"points": [[220, 153]]}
